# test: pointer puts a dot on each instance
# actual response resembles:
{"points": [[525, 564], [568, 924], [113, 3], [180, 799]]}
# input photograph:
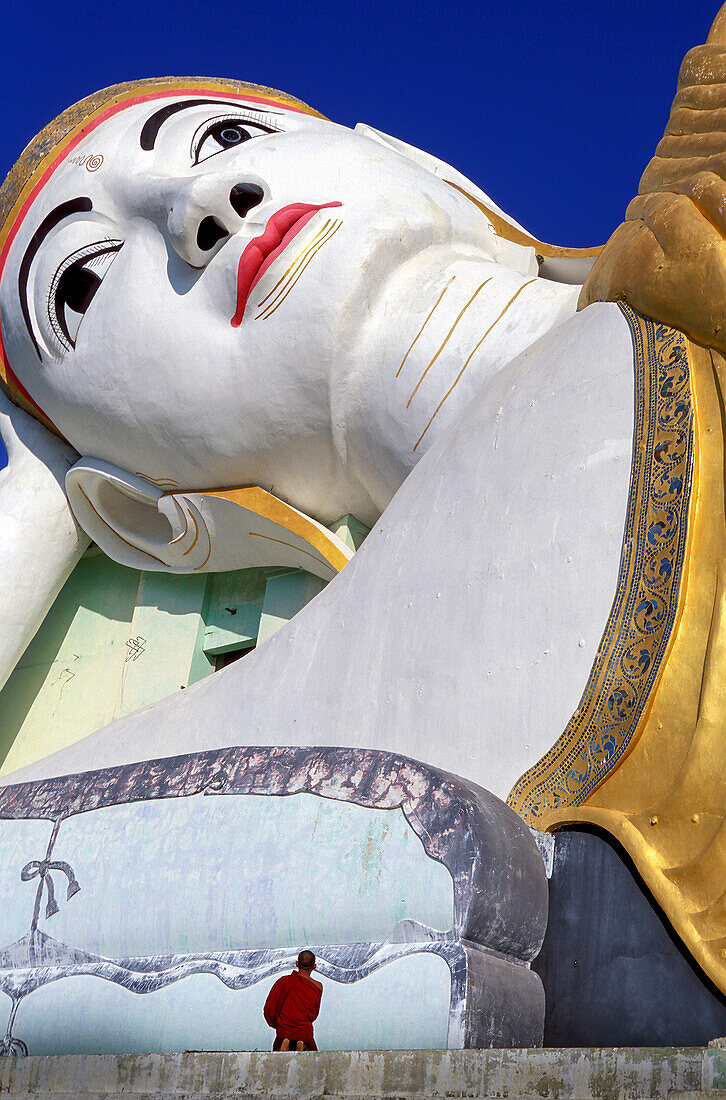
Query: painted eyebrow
{"points": [[153, 124], [65, 210]]}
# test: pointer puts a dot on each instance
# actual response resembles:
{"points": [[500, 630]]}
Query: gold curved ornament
{"points": [[512, 233], [258, 501]]}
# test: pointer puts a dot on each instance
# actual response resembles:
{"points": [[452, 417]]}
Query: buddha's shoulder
{"points": [[576, 381], [597, 336]]}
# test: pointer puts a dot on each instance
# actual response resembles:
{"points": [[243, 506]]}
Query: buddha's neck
{"points": [[433, 340]]}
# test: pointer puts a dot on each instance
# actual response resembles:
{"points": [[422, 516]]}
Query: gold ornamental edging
{"points": [[644, 610]]}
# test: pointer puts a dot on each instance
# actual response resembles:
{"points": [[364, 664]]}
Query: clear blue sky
{"points": [[552, 107]]}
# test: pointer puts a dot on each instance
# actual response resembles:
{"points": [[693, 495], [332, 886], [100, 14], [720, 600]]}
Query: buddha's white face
{"points": [[185, 291]]}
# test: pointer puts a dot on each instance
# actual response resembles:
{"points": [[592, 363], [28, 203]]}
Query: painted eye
{"points": [[228, 135], [74, 286], [225, 133]]}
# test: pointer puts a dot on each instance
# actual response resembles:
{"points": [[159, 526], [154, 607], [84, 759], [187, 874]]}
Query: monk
{"points": [[292, 1004]]}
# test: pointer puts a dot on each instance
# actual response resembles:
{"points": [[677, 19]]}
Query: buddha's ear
{"points": [[519, 256], [40, 541], [157, 526]]}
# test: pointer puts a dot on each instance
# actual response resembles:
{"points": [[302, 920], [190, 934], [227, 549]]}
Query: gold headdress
{"points": [[668, 258], [48, 148]]}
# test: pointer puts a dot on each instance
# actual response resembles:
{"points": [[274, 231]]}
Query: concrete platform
{"points": [[685, 1073]]}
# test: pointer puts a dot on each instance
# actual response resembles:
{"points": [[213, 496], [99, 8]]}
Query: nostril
{"points": [[209, 232], [245, 196]]}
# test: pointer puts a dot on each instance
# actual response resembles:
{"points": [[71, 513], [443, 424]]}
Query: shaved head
{"points": [[305, 960]]}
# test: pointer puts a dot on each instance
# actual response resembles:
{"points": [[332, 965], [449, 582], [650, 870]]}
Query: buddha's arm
{"points": [[40, 542]]}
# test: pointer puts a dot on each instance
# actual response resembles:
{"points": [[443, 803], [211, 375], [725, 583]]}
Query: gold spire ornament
{"points": [[644, 756], [668, 258]]}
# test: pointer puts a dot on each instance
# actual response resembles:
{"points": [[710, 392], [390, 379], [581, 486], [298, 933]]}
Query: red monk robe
{"points": [[291, 1006]]}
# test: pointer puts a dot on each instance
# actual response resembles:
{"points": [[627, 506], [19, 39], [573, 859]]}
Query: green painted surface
{"points": [[68, 681], [201, 664], [117, 639], [350, 530], [234, 607], [166, 620], [285, 595]]}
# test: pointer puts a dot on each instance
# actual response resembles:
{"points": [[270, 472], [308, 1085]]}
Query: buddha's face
{"points": [[186, 289]]}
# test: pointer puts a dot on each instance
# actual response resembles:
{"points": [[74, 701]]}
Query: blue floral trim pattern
{"points": [[644, 611]]}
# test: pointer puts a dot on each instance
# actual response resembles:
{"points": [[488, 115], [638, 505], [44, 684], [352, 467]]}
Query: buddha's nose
{"points": [[199, 222]]}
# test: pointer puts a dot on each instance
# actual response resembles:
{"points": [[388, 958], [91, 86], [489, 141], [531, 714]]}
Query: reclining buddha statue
{"points": [[226, 322]]}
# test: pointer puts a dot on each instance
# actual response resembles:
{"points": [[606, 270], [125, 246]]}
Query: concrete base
{"points": [[636, 1073]]}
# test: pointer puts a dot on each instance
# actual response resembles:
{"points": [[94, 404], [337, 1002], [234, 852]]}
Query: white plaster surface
{"points": [[463, 631], [87, 1015]]}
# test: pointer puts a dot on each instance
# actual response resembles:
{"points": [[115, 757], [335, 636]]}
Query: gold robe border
{"points": [[644, 610]]}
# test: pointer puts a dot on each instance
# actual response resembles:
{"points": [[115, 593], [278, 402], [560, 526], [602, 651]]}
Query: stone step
{"points": [[701, 1094], [687, 1073]]}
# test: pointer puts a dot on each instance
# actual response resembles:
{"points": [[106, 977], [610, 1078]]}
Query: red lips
{"points": [[262, 251]]}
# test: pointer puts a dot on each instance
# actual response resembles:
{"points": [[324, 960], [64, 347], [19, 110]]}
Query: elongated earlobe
{"points": [[139, 524]]}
